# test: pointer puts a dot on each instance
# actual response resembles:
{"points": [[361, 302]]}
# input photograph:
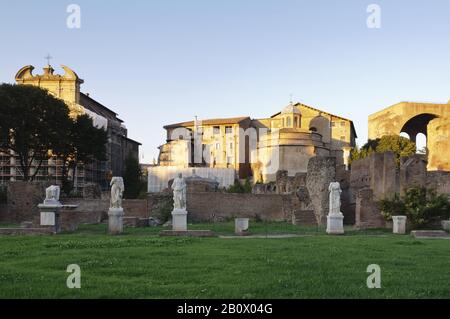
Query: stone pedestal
{"points": [[115, 221], [399, 224], [241, 226], [335, 224], [446, 225], [50, 214], [179, 220]]}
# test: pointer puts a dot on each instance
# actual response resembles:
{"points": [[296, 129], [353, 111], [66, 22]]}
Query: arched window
{"points": [[288, 122], [295, 121]]}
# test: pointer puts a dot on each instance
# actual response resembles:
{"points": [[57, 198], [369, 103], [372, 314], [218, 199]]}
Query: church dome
{"points": [[290, 109]]}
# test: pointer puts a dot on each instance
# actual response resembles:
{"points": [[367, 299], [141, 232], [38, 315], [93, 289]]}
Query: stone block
{"points": [[179, 220], [399, 224], [115, 221], [335, 224], [241, 226]]}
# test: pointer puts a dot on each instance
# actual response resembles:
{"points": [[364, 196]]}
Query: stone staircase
{"points": [[304, 218]]}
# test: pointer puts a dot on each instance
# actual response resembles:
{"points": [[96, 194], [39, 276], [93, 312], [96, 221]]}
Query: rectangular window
{"points": [[343, 138], [333, 124], [216, 130], [342, 123], [228, 130]]}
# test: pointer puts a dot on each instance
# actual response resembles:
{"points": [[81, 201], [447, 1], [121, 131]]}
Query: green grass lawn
{"points": [[139, 264]]}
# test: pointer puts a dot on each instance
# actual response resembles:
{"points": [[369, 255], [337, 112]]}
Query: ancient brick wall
{"points": [[440, 181], [220, 206], [367, 214], [413, 172], [95, 210], [22, 200]]}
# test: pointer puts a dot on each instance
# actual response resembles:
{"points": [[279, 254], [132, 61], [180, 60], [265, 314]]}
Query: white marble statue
{"points": [[335, 198], [179, 192], [117, 188], [52, 193], [335, 219]]}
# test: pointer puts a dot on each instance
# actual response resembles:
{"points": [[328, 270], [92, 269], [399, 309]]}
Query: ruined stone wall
{"points": [[321, 172], [367, 213], [22, 200], [413, 172], [440, 181]]}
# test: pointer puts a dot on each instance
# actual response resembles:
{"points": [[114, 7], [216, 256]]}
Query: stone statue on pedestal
{"points": [[335, 219], [179, 213], [115, 213]]}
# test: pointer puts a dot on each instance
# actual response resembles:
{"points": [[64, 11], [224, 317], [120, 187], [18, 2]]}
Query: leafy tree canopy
{"points": [[399, 145], [32, 122]]}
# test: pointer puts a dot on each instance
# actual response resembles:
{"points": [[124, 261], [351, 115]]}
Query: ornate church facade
{"points": [[67, 88]]}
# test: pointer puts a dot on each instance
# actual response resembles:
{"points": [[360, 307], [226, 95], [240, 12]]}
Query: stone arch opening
{"points": [[418, 124], [421, 143]]}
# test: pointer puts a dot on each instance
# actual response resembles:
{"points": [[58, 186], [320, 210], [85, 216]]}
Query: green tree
{"points": [[132, 178], [399, 145], [82, 144], [32, 122]]}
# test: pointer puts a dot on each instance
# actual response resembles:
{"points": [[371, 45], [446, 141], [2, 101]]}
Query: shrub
{"points": [[239, 188], [419, 204], [163, 209], [392, 207]]}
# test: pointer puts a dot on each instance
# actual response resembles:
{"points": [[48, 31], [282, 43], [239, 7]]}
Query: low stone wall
{"points": [[96, 210], [22, 200], [4, 213], [219, 206]]}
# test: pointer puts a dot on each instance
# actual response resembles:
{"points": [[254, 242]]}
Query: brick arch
{"points": [[417, 124]]}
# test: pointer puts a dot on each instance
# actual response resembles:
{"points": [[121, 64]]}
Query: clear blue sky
{"points": [[160, 62]]}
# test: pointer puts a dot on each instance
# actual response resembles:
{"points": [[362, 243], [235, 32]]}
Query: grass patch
{"points": [[139, 264]]}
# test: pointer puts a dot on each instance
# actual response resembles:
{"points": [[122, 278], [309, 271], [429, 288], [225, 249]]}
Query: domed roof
{"points": [[291, 108]]}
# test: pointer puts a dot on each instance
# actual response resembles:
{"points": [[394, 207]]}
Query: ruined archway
{"points": [[417, 124]]}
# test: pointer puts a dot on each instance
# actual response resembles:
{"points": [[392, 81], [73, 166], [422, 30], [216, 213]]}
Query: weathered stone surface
{"points": [[399, 225], [321, 172], [241, 226], [115, 221], [92, 191], [335, 224], [367, 212], [413, 172], [446, 225], [179, 220], [429, 234]]}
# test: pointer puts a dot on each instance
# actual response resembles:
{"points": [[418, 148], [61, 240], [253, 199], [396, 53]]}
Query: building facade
{"points": [[67, 88], [259, 147]]}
